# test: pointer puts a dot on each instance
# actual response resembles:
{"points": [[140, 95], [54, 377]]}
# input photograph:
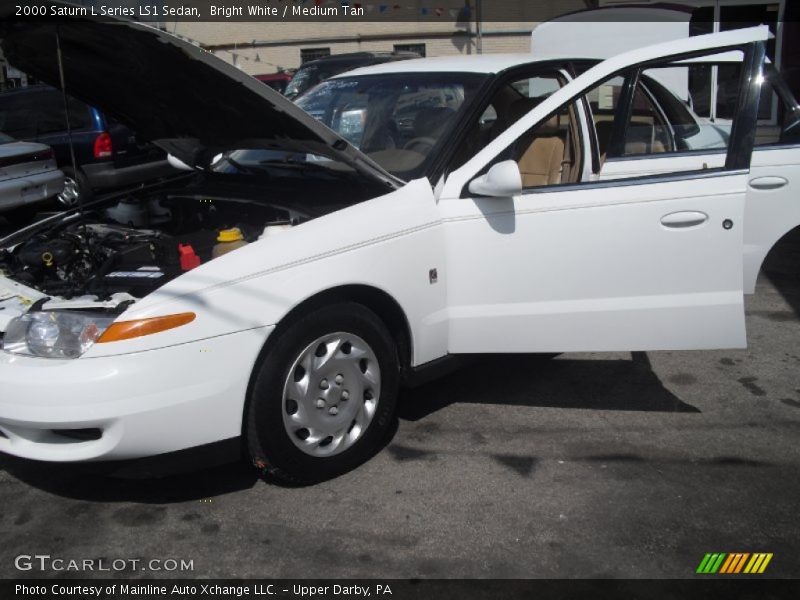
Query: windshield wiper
{"points": [[243, 168], [292, 164]]}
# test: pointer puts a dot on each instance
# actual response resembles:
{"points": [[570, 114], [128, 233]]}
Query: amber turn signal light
{"points": [[126, 330]]}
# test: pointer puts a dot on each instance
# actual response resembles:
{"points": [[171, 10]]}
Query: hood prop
{"points": [[62, 81]]}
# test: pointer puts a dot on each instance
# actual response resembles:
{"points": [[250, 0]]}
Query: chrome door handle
{"points": [[684, 219], [770, 182]]}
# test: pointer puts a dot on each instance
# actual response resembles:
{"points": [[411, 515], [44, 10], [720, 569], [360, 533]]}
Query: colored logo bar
{"points": [[734, 563]]}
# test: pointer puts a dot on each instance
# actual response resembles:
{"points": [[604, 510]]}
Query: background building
{"points": [[445, 27]]}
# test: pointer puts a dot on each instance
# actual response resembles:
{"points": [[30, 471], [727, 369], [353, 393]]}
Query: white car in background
{"points": [[28, 173], [280, 294]]}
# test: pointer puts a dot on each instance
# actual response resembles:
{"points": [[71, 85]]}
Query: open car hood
{"points": [[169, 91]]}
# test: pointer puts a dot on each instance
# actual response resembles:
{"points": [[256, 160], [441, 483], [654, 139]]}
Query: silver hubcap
{"points": [[331, 394], [69, 195]]}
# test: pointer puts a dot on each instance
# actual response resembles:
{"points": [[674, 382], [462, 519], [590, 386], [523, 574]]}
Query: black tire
{"points": [[270, 448]]}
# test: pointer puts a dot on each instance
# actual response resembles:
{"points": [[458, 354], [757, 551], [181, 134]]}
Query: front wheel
{"points": [[323, 396]]}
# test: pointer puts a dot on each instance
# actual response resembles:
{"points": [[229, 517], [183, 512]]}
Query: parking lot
{"points": [[583, 465]]}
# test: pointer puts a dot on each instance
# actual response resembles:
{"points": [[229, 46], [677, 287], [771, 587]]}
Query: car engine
{"points": [[136, 246]]}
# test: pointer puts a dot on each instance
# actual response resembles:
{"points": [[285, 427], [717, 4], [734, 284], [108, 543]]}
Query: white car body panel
{"points": [[639, 166], [772, 208], [509, 278], [146, 403], [389, 243]]}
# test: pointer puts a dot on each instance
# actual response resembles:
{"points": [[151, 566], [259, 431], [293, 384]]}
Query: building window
{"points": [[710, 99], [307, 54], [418, 48]]}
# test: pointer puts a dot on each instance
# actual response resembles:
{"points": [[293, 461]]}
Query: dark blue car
{"points": [[107, 153]]}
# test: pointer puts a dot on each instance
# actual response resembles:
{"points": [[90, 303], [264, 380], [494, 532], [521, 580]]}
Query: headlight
{"points": [[54, 334]]}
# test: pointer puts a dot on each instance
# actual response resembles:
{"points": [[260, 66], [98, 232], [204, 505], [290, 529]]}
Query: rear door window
{"points": [[787, 132], [17, 116], [30, 115], [49, 114]]}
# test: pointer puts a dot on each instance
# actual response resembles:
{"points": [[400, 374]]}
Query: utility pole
{"points": [[479, 26]]}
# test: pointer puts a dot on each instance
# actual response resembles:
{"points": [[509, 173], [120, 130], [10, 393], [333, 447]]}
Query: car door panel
{"points": [[560, 274]]}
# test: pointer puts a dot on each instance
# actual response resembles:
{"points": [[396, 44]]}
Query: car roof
{"points": [[40, 88], [359, 57], [481, 63]]}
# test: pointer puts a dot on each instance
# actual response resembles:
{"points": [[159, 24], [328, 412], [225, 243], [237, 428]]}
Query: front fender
{"points": [[390, 243]]}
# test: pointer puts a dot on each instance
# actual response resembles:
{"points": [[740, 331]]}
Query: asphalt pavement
{"points": [[582, 465]]}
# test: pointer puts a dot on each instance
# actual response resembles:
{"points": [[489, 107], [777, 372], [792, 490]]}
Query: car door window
{"points": [[658, 119], [648, 113], [787, 133], [670, 87], [743, 46], [646, 131], [636, 113]]}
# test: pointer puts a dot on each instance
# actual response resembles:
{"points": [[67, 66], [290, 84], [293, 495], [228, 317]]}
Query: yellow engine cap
{"points": [[233, 234]]}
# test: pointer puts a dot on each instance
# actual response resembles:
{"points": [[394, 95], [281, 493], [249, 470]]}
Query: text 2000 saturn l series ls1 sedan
{"points": [[313, 260]]}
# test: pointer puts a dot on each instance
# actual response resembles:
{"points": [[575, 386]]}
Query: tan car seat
{"points": [[542, 161]]}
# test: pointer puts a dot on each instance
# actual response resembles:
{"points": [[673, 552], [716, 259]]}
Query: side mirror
{"points": [[501, 181]]}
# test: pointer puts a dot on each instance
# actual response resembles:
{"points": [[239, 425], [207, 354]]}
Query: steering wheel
{"points": [[422, 145]]}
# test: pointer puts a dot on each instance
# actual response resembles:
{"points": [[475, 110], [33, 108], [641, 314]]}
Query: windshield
{"points": [[396, 119], [302, 80], [5, 139]]}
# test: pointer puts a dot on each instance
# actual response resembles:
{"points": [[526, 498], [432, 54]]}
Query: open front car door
{"points": [[546, 255]]}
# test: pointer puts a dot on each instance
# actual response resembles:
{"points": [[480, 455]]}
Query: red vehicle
{"points": [[277, 81]]}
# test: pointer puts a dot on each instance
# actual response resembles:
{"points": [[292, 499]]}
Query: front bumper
{"points": [[131, 405]]}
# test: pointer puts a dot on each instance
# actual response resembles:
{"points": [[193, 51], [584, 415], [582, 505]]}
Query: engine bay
{"points": [[138, 244]]}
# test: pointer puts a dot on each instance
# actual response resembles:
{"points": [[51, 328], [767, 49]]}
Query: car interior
{"points": [[646, 132], [547, 154]]}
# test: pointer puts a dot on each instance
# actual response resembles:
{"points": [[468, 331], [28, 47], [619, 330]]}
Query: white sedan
{"points": [[312, 262], [28, 173]]}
